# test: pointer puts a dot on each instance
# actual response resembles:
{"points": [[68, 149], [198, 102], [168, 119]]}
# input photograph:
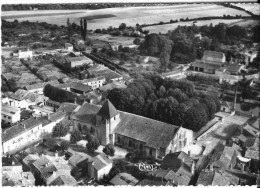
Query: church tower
{"points": [[107, 119]]}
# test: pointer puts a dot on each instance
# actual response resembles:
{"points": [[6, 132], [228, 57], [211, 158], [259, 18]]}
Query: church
{"points": [[130, 131]]}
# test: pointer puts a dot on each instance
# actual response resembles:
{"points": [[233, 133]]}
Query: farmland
{"points": [[166, 27], [251, 7], [129, 15]]}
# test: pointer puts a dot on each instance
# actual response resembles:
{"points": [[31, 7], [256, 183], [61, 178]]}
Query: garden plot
{"points": [[251, 7]]}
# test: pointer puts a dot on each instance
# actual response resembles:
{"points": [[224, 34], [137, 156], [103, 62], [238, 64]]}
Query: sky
{"points": [[111, 1]]}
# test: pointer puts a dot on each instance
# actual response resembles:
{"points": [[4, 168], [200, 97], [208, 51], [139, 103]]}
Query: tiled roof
{"points": [[252, 154], [204, 65], [111, 86], [10, 110], [81, 87], [57, 115], [218, 150], [213, 56], [154, 133], [29, 159], [124, 179], [16, 130], [81, 58], [53, 102], [233, 67], [45, 167], [100, 161], [64, 180], [67, 107], [205, 178], [107, 110], [147, 182], [77, 158], [227, 158], [183, 176], [220, 180]]}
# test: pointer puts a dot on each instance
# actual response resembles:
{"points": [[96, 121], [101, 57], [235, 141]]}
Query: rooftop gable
{"points": [[213, 56], [107, 110]]}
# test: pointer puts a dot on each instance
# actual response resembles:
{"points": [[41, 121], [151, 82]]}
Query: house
{"points": [[21, 134], [164, 175], [94, 82], [231, 69], [52, 103], [213, 178], [226, 106], [23, 53], [124, 179], [28, 161], [110, 86], [201, 66], [213, 57], [174, 75], [78, 61], [80, 88], [99, 166], [68, 47], [77, 159], [53, 170], [38, 88], [93, 97], [223, 157], [130, 131], [50, 121], [14, 176], [10, 114]]}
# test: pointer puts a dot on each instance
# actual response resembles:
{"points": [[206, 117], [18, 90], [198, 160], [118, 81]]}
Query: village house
{"points": [[21, 134], [78, 61], [210, 61], [23, 53], [127, 130], [10, 114], [231, 69], [80, 88], [52, 103], [124, 179], [93, 97], [99, 166], [68, 47], [14, 176], [94, 82], [53, 171], [23, 99]]}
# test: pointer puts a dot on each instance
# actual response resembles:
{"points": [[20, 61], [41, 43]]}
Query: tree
{"points": [[50, 143], [60, 130], [83, 28], [64, 145], [93, 144], [122, 26], [137, 41], [195, 118], [75, 136], [69, 28], [109, 150]]}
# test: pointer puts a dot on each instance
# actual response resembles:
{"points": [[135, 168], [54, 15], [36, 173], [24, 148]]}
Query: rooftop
{"points": [[213, 56], [53, 102], [172, 73], [67, 107], [147, 182], [17, 130], [124, 179], [107, 73], [9, 110], [100, 161], [81, 87], [107, 110], [205, 65], [80, 58]]}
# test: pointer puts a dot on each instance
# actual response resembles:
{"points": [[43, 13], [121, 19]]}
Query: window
{"points": [[130, 143], [141, 147], [118, 139], [115, 118], [92, 130], [151, 151]]}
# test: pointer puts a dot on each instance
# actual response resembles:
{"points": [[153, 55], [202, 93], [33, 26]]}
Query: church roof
{"points": [[108, 110]]}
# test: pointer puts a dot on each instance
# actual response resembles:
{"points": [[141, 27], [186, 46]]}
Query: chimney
{"points": [[211, 167], [75, 102], [56, 154], [13, 163], [49, 116], [188, 153], [23, 126]]}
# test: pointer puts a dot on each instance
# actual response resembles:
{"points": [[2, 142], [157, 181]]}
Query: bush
{"points": [[137, 41], [60, 130], [245, 107], [109, 150], [50, 143]]}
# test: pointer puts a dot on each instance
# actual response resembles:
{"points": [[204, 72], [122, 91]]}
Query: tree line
{"points": [[183, 46], [170, 101]]}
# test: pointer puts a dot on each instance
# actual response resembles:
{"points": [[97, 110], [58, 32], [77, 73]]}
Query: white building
{"points": [[68, 47], [10, 114], [21, 134], [25, 53]]}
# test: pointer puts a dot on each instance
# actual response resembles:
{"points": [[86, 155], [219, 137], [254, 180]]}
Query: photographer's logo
{"points": [[147, 167]]}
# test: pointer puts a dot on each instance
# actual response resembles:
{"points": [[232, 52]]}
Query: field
{"points": [[129, 15], [251, 7], [166, 27], [125, 41]]}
